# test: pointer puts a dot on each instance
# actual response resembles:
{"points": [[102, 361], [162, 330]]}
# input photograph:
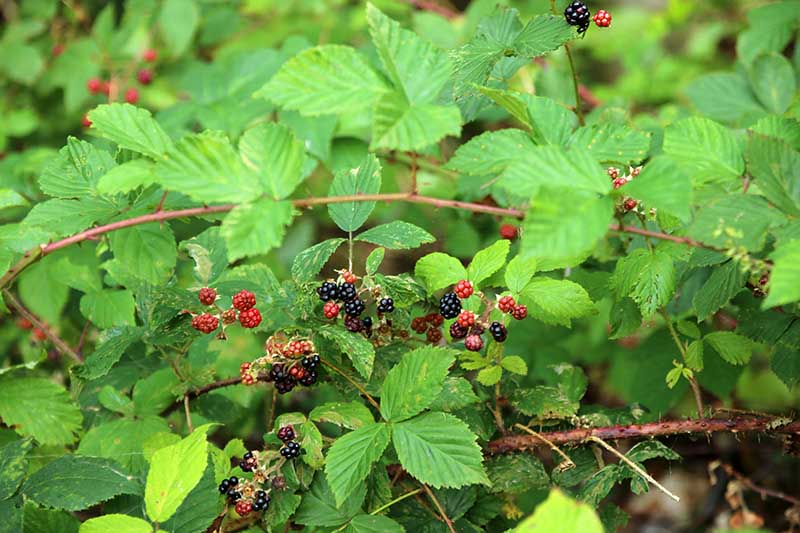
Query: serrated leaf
{"points": [[276, 156], [694, 356], [205, 167], [515, 364], [489, 376], [555, 167], [646, 277], [725, 97], [560, 513], [735, 220], [785, 129], [663, 185], [119, 523], [209, 254], [544, 402], [440, 450], [774, 165], [364, 179], [625, 318], [413, 384], [178, 37], [40, 409], [438, 270], [724, 283], [319, 508], [328, 79], [456, 393], [490, 152], [351, 415], [612, 143], [113, 400], [75, 171], [110, 349], [148, 251], [130, 127], [351, 457], [358, 349], [773, 81], [127, 177], [398, 125], [311, 443], [519, 272], [256, 228], [61, 217], [73, 482], [374, 260], [108, 308], [308, 263], [13, 466], [784, 283], [516, 473], [651, 449], [397, 235], [488, 261], [708, 150], [366, 523], [555, 301], [174, 472], [734, 348]]}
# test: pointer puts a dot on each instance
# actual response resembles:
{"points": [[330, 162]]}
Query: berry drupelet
{"points": [[367, 322], [449, 305], [291, 450], [309, 378], [286, 433], [347, 292], [228, 484], [285, 385], [498, 331], [207, 296], [243, 508], [354, 307], [508, 231], [577, 14], [434, 335], [244, 300], [386, 305], [328, 291]]}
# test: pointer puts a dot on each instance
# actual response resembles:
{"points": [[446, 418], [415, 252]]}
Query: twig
{"points": [[567, 459], [439, 508], [698, 395], [273, 408], [354, 383], [633, 466], [57, 341], [188, 412], [160, 205], [511, 443], [396, 500], [664, 237], [414, 186], [82, 339], [762, 491], [575, 83]]}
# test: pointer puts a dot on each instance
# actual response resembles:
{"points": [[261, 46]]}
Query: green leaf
{"points": [[488, 261], [556, 168], [734, 348], [11, 198], [351, 415], [256, 228], [364, 179], [517, 473], [112, 345], [397, 235], [311, 444], [328, 79], [440, 450], [438, 270], [558, 232], [725, 97], [113, 400], [515, 364], [774, 165], [21, 62], [785, 129], [61, 217], [456, 393], [365, 523], [38, 519], [555, 301], [724, 283], [398, 125], [612, 143], [40, 409], [276, 156], [130, 127], [544, 402], [127, 177], [308, 263], [771, 28], [735, 220], [708, 150], [178, 37], [374, 260], [209, 254], [519, 272], [358, 349], [118, 523], [351, 457], [413, 384], [646, 277], [13, 466], [784, 283], [663, 185], [73, 482], [205, 167], [490, 152], [694, 356], [773, 80], [148, 251], [560, 513], [489, 376], [651, 449], [319, 508], [75, 171], [174, 471], [108, 308]]}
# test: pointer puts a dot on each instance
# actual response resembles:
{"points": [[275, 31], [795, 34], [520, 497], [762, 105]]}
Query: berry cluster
{"points": [[286, 364], [345, 296], [290, 449], [618, 180], [243, 308], [430, 326], [577, 14]]}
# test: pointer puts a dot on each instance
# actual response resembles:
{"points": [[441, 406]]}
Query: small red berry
{"points": [[630, 204], [206, 323], [602, 18], [248, 379], [434, 319], [95, 85], [245, 367], [229, 316], [349, 277], [619, 182], [24, 323], [39, 335], [636, 171], [243, 507], [464, 289], [207, 296], [149, 55], [613, 172], [244, 300], [763, 280], [506, 304], [132, 96], [419, 325], [106, 88], [85, 122], [473, 343], [519, 312], [250, 318], [434, 335], [57, 50], [466, 319], [331, 310], [145, 76], [508, 231]]}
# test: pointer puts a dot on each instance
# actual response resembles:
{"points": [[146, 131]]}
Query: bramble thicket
{"points": [[438, 266]]}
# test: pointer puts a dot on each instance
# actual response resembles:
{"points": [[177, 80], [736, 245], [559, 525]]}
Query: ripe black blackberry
{"points": [[577, 14], [354, 307], [286, 433], [261, 502], [352, 323], [285, 385], [248, 462], [347, 292], [386, 305], [277, 372], [367, 322], [328, 291], [449, 305], [311, 362], [291, 450], [498, 331], [228, 485], [457, 331], [309, 379]]}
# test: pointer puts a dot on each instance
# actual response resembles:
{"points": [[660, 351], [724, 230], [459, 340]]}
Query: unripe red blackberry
{"points": [[473, 343], [619, 182], [206, 323], [434, 319], [85, 122], [630, 204], [613, 172], [434, 335], [506, 304], [330, 310], [149, 55], [419, 325], [207, 296], [229, 316], [519, 312], [244, 300], [243, 507], [457, 331], [353, 323], [349, 277], [94, 85], [466, 319], [144, 76], [602, 18], [132, 95], [508, 231], [250, 318], [464, 289]]}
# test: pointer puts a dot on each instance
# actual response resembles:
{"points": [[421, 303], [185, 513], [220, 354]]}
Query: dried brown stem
{"points": [[439, 508], [762, 491]]}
